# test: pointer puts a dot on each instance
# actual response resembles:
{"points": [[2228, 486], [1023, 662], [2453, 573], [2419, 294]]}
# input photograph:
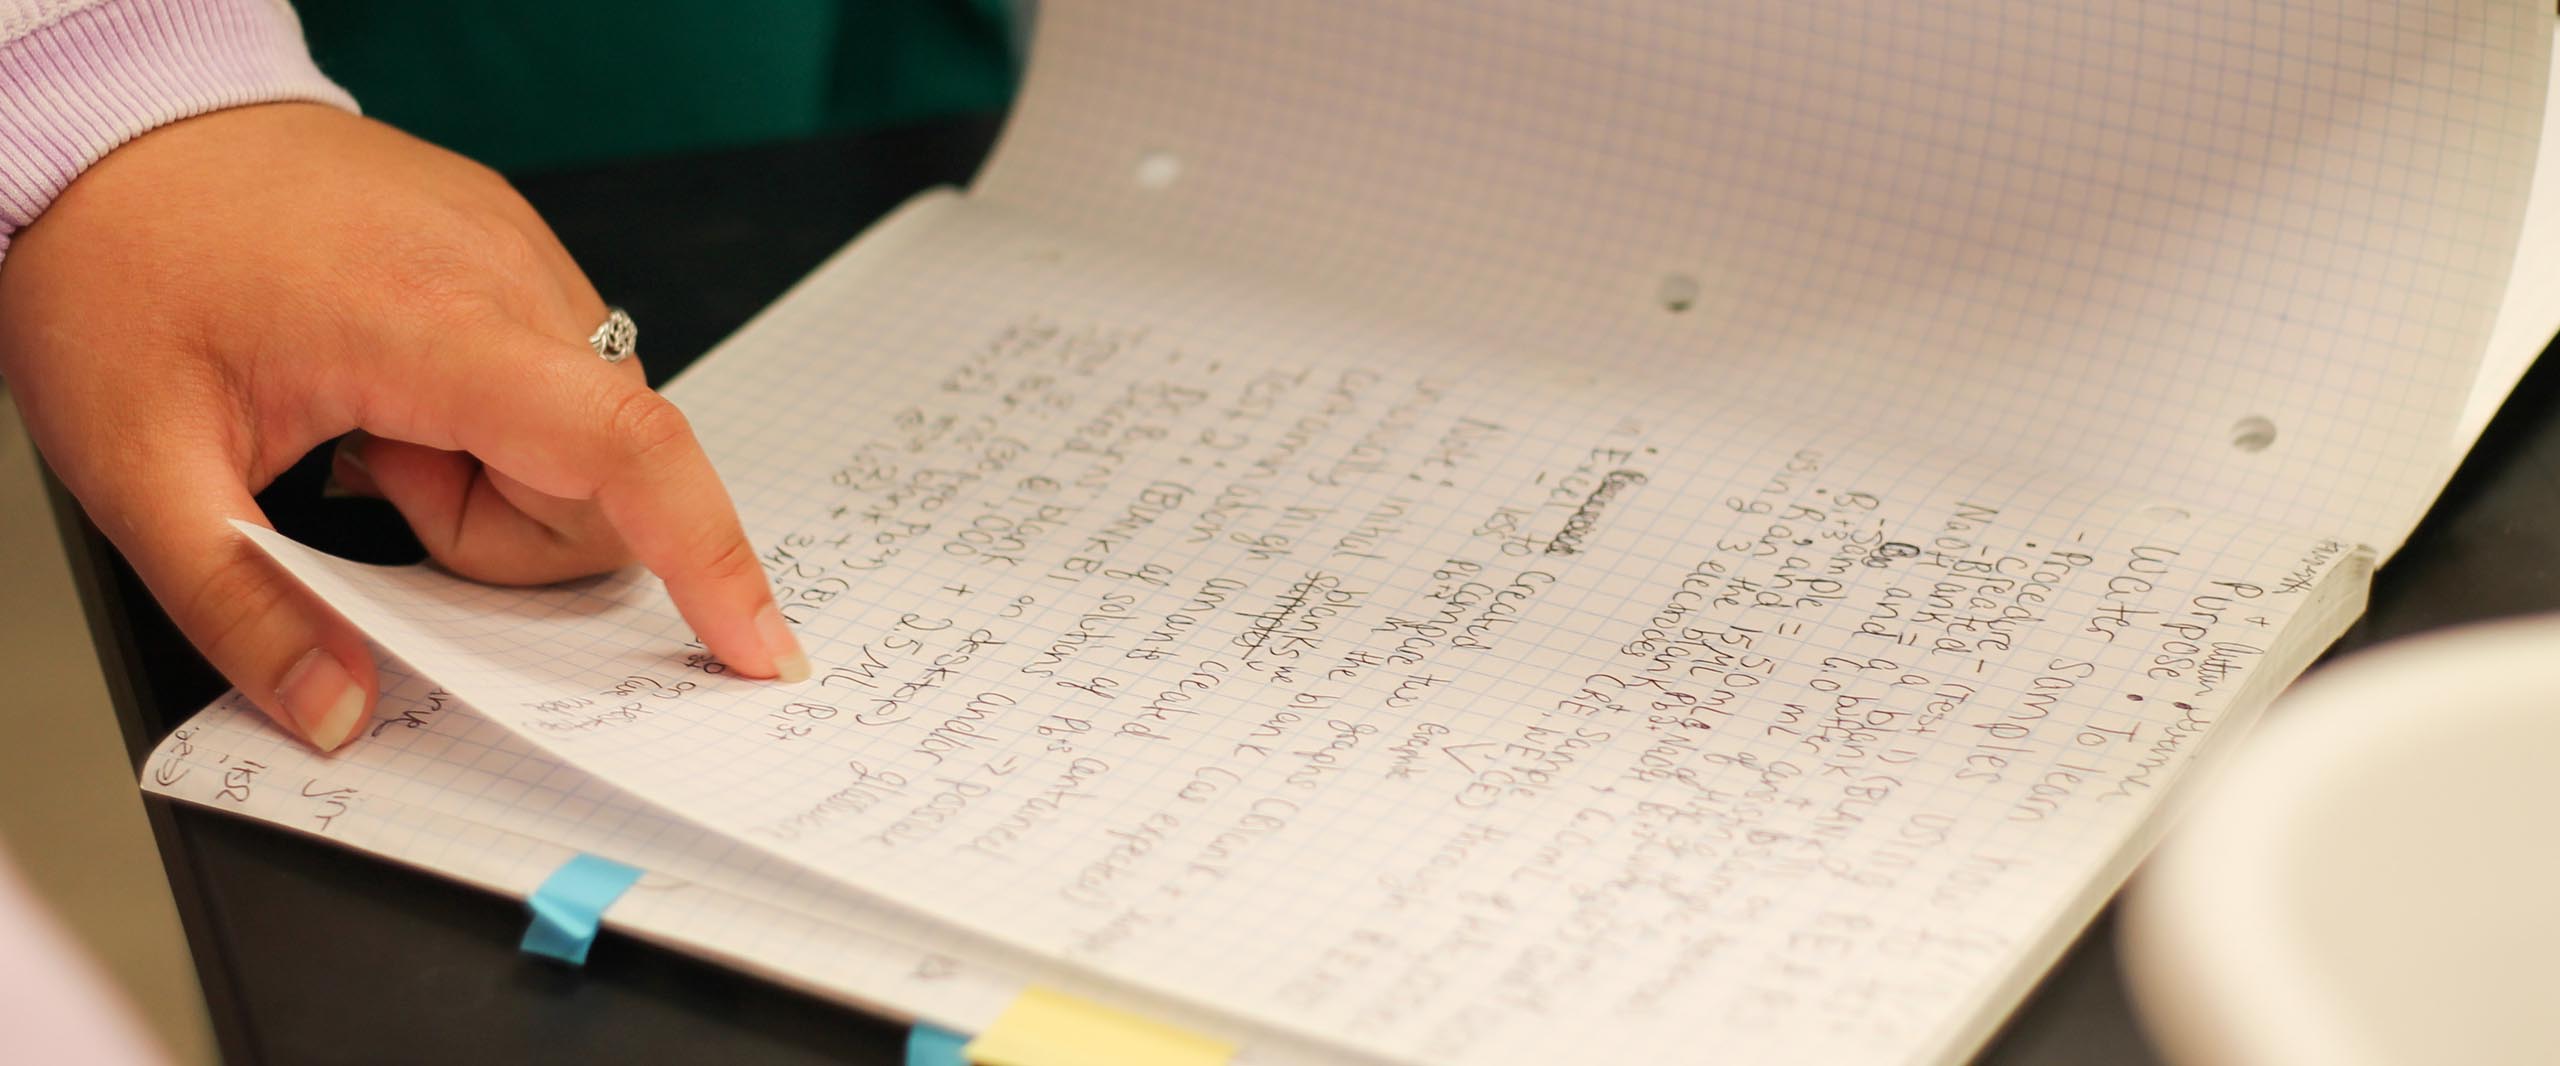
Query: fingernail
{"points": [[789, 662], [323, 699]]}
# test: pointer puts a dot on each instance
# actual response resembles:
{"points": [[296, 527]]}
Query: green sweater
{"points": [[534, 84]]}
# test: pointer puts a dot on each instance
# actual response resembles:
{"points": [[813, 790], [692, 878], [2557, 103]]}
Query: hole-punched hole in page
{"points": [[2253, 434], [2164, 512], [1157, 170], [1677, 293]]}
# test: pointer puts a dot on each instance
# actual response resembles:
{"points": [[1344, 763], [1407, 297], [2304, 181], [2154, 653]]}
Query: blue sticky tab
{"points": [[570, 905], [931, 1046]]}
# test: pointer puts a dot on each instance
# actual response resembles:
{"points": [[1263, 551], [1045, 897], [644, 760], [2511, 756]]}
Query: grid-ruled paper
{"points": [[2530, 313], [1403, 528], [1313, 670], [436, 785], [2103, 233]]}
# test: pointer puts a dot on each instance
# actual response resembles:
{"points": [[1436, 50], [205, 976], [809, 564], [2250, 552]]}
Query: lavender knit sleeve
{"points": [[80, 77]]}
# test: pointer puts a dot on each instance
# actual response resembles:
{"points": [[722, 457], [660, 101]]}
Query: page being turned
{"points": [[1352, 681], [2244, 253]]}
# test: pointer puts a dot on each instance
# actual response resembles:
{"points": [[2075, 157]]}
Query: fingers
{"points": [[552, 420], [305, 666], [477, 522]]}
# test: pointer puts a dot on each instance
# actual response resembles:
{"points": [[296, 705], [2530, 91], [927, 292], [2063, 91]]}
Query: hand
{"points": [[218, 297]]}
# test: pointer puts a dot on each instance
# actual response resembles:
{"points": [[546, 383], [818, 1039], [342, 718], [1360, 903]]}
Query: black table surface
{"points": [[310, 953]]}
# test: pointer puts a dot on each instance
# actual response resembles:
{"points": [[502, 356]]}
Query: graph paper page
{"points": [[1336, 677], [2530, 313], [2112, 235], [435, 785]]}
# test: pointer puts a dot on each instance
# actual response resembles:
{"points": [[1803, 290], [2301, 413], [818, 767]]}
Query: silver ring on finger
{"points": [[618, 338]]}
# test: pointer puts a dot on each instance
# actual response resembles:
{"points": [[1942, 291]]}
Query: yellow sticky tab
{"points": [[1046, 1028]]}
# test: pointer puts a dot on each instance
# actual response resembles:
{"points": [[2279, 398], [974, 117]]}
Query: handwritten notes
{"points": [[1700, 534], [1324, 675]]}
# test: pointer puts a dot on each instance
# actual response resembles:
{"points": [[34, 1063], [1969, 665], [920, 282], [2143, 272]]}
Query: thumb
{"points": [[298, 660]]}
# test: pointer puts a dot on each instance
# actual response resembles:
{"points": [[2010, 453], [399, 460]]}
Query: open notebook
{"points": [[1513, 532]]}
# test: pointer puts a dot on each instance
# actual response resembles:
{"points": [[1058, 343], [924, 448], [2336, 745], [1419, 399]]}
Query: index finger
{"points": [[564, 422]]}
